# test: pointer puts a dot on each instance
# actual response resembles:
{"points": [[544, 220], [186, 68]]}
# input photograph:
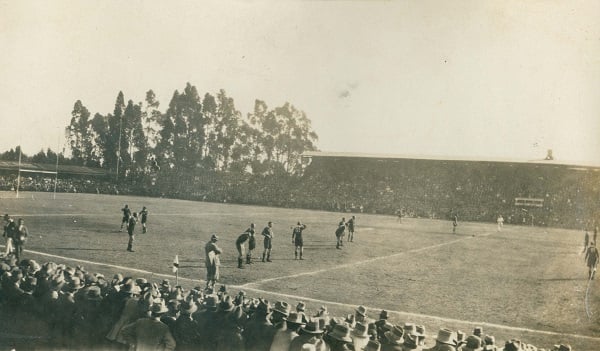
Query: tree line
{"points": [[194, 133]]}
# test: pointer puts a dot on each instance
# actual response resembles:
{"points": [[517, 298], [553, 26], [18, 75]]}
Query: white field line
{"points": [[325, 302], [353, 264], [116, 215]]}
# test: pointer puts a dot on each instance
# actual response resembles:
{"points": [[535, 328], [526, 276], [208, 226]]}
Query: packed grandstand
{"points": [[542, 193]]}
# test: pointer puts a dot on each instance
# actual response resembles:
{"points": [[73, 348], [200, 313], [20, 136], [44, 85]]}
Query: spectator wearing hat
{"points": [[130, 231], [309, 334], [230, 335], [209, 322], [297, 240], [88, 313], [373, 345], [393, 340], [150, 333], [284, 336], [445, 341], [130, 313], [489, 343], [267, 234], [513, 345], [185, 329], [258, 333], [472, 343], [360, 336], [280, 312], [212, 261], [339, 337], [10, 232]]}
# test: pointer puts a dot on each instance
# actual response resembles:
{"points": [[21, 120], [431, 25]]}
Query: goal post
{"points": [[531, 203]]}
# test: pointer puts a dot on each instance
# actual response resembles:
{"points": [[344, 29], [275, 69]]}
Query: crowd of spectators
{"points": [[475, 191], [56, 307]]}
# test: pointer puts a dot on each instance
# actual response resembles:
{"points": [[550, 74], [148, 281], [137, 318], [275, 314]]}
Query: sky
{"points": [[477, 79]]}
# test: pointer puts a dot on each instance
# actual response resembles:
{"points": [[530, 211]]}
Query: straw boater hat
{"points": [[395, 336], [312, 327], [446, 336], [294, 318], [341, 332]]}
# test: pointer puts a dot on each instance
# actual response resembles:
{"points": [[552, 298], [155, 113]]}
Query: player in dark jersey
{"points": [[267, 233], [339, 235], [454, 223], [350, 225], [126, 214], [144, 218], [239, 245], [297, 240], [130, 227], [251, 244]]}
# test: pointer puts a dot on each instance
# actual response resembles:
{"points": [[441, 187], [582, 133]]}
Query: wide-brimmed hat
{"points": [[93, 294], [446, 336], [564, 347], [282, 307], [410, 342], [312, 327], [473, 343], [362, 310], [29, 284], [75, 284], [513, 345], [372, 345], [227, 304], [158, 307], [210, 302], [395, 336], [188, 307], [411, 329], [360, 331], [341, 332], [294, 318], [478, 331], [131, 288], [263, 306]]}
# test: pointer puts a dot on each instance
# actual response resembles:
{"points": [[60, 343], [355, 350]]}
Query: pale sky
{"points": [[481, 79]]}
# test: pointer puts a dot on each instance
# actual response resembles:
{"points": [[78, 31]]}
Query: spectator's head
{"points": [[395, 336], [281, 310], [210, 303], [188, 307], [158, 308], [372, 345], [301, 306], [513, 345], [294, 321], [473, 343], [383, 314], [360, 313], [478, 331], [227, 304], [312, 327], [446, 337], [341, 333]]}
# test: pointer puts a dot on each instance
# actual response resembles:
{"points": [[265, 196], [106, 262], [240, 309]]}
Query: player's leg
{"points": [[249, 256], [130, 243], [269, 252], [144, 227], [301, 250], [265, 250], [240, 249]]}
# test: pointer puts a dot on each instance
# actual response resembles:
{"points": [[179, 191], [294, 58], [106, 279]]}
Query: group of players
{"points": [[130, 220], [212, 250]]}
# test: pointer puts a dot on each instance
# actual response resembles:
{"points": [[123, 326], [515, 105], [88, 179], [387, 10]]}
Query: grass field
{"points": [[524, 282]]}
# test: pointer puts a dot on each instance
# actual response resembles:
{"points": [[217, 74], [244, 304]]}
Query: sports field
{"points": [[524, 282]]}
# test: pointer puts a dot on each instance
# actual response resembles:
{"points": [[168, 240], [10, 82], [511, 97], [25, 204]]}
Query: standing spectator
{"points": [[283, 337], [267, 233], [126, 214], [350, 225], [130, 228], [144, 218], [20, 239], [212, 261], [185, 329], [310, 334], [591, 258], [150, 333], [297, 240], [10, 231]]}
